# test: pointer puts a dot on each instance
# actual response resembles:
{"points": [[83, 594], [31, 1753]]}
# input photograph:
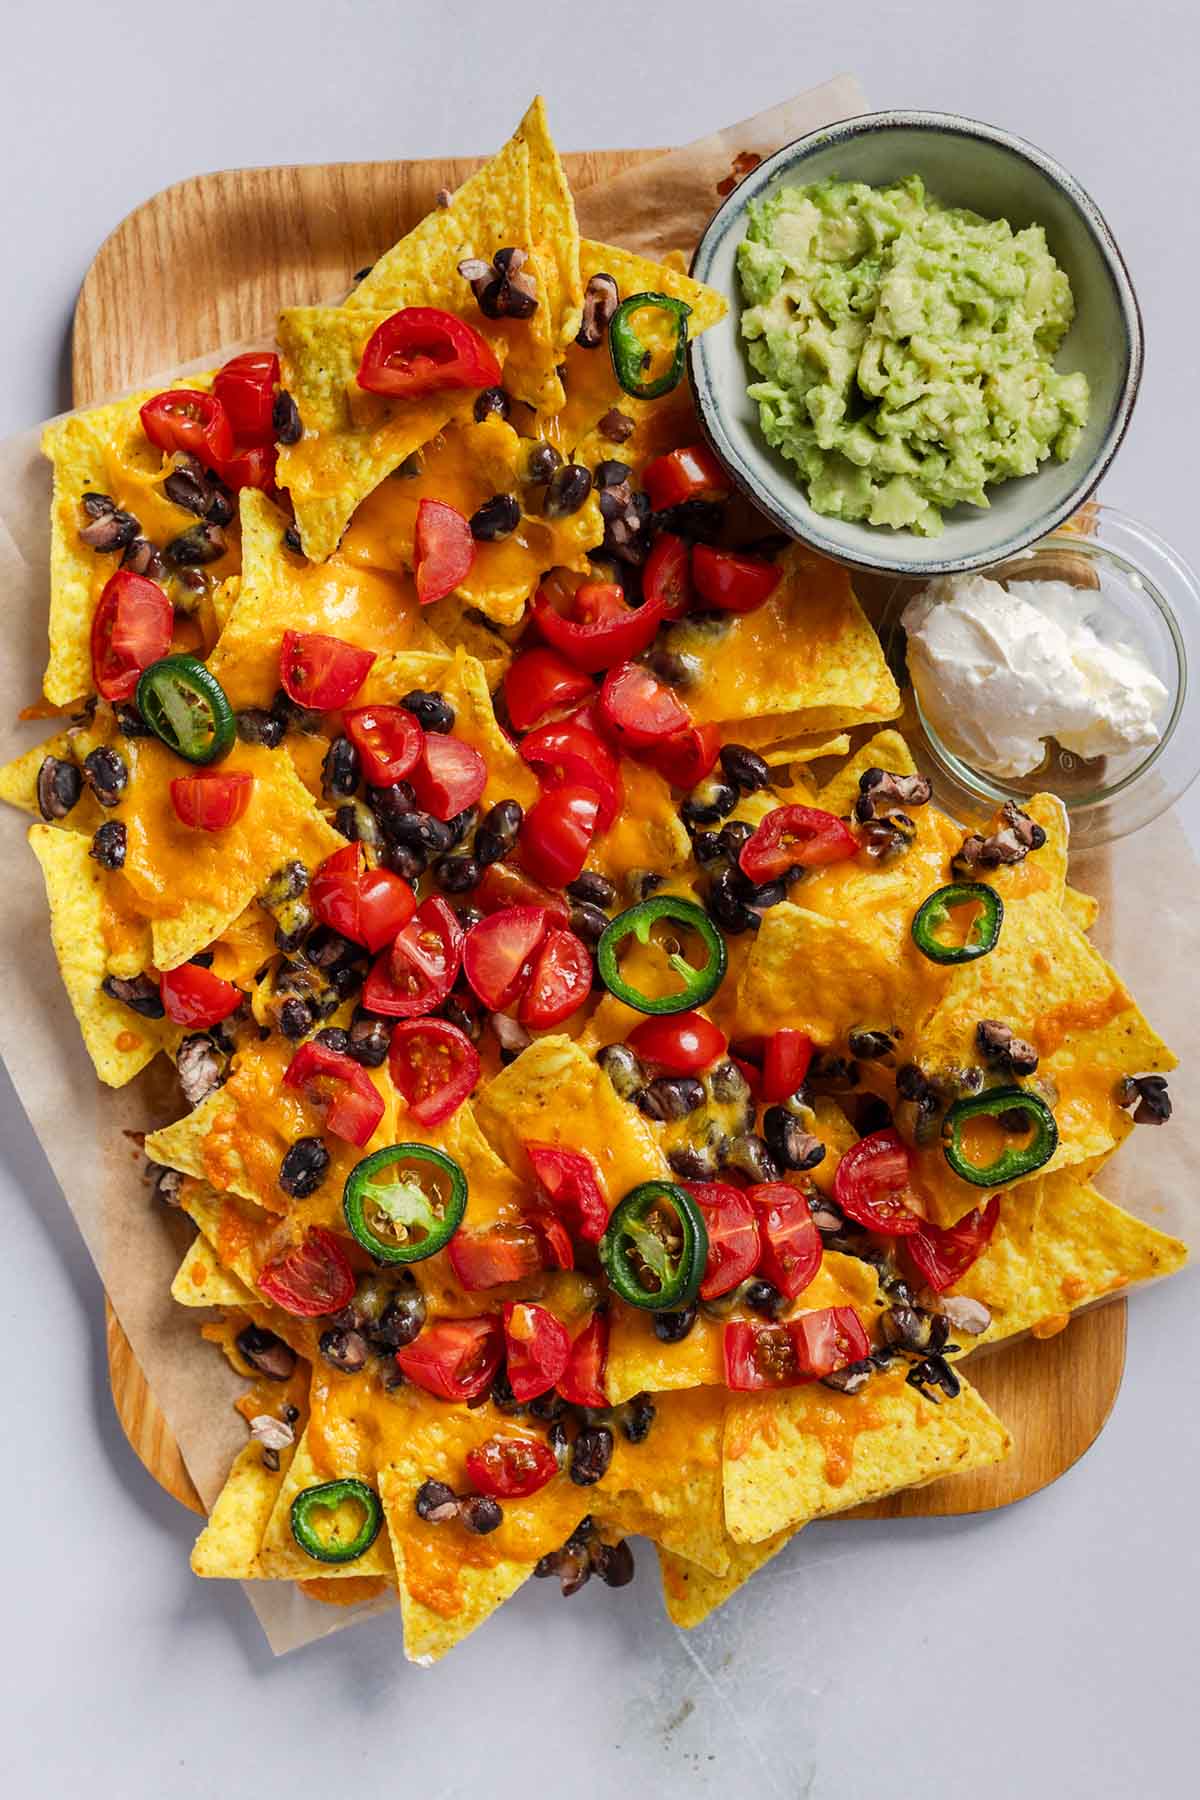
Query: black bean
{"points": [[436, 1502], [695, 1162], [332, 1037], [670, 1097], [496, 518], [296, 1018], [130, 722], [391, 803], [725, 1083], [636, 1418], [285, 419], [140, 994], [623, 1069], [616, 426], [789, 1143], [405, 862], [497, 834], [480, 1513], [708, 803], [543, 461], [456, 874], [869, 1046], [700, 521], [345, 1350], [106, 774], [293, 541], [369, 1042], [222, 507], [432, 711], [167, 1184], [339, 770], [764, 1299], [109, 843], [96, 505], [356, 822], [491, 400], [747, 770], [766, 895], [749, 1155], [304, 718], [325, 948], [59, 786], [304, 1167], [610, 473], [613, 1563], [257, 726], [110, 531], [588, 923], [601, 298], [672, 1327], [566, 491], [734, 837], [199, 544], [141, 557], [462, 824], [591, 1454], [641, 883], [402, 1320], [266, 1353], [706, 847], [726, 903], [186, 487], [591, 889]]}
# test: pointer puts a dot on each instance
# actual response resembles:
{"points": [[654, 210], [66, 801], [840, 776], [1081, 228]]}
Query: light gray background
{"points": [[1046, 1650]]}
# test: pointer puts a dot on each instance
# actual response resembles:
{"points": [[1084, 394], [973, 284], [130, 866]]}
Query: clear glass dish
{"points": [[1158, 596]]}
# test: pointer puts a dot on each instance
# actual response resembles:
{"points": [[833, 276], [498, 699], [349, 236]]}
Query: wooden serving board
{"points": [[209, 262]]}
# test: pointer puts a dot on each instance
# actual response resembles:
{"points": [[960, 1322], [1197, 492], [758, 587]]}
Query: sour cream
{"points": [[998, 670]]}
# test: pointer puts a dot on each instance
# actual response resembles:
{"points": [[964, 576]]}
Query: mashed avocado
{"points": [[905, 348]]}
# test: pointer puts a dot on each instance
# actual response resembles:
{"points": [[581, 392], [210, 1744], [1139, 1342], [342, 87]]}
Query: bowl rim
{"points": [[799, 523]]}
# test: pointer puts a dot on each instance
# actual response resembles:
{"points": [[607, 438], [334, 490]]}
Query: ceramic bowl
{"points": [[963, 163]]}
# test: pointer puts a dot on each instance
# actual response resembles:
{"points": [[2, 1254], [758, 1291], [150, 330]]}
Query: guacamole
{"points": [[905, 348]]}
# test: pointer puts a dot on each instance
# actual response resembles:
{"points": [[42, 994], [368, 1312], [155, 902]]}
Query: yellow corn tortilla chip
{"points": [[463, 680], [780, 747], [200, 1280], [691, 1593], [119, 1041], [885, 750], [18, 778], [280, 1557], [799, 1453], [816, 974], [1082, 909], [228, 1546], [555, 227], [669, 1487]]}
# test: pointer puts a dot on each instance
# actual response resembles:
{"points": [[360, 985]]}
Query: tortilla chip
{"points": [[228, 1546], [463, 680], [280, 1557], [799, 1453], [201, 1281], [690, 1592], [885, 750], [18, 778], [816, 974], [669, 1487], [1081, 909], [778, 745]]}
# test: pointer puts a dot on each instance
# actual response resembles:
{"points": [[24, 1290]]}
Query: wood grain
{"points": [[209, 262]]}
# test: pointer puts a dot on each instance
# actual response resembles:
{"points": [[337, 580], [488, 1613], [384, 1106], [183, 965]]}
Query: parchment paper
{"points": [[1150, 930]]}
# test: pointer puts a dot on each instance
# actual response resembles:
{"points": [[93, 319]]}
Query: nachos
{"points": [[610, 1103]]}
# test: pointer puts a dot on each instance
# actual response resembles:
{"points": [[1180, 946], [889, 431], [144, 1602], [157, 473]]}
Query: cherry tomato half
{"points": [[804, 1349], [829, 1340], [367, 905], [601, 630], [503, 885], [212, 799], [251, 468], [443, 550], [786, 1056], [319, 671], [388, 740], [417, 973], [311, 1279], [556, 833], [511, 1468], [560, 981], [537, 1349], [195, 997], [871, 1184], [246, 387], [456, 1359], [733, 583], [570, 1182], [683, 1043], [558, 1252], [582, 1381], [801, 837], [450, 775], [494, 1258], [421, 350], [132, 628], [667, 576], [733, 1240], [539, 681], [692, 473], [791, 1243], [498, 951], [567, 753], [189, 420], [942, 1256], [434, 1066], [340, 1089], [685, 759], [638, 709]]}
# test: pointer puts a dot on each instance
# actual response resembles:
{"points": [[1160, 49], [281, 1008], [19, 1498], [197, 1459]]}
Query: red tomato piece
{"points": [[791, 1243], [450, 776], [567, 754], [667, 576], [582, 1381], [759, 1356], [942, 1256], [503, 886], [189, 420], [434, 1066], [601, 631], [388, 740], [252, 468], [312, 1278], [537, 1349], [131, 628], [538, 682], [456, 1359], [801, 837], [341, 1090], [443, 550], [421, 350], [786, 1056], [417, 973], [211, 800], [871, 1185], [558, 1252], [638, 709], [510, 1468], [733, 1240], [733, 583], [560, 982], [685, 759], [321, 672], [570, 1182], [367, 905], [692, 473], [683, 1043], [494, 1258], [245, 387], [195, 997], [557, 832], [498, 952], [828, 1340]]}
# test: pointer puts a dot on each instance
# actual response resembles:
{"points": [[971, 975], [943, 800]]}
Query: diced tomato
{"points": [[733, 1241], [505, 885], [494, 1258], [456, 1359], [828, 1340], [498, 953], [211, 800], [434, 1066], [450, 776], [538, 682], [246, 387], [791, 1243], [251, 468], [747, 1055], [942, 1255], [570, 1182], [733, 583], [692, 473], [557, 832], [367, 905], [511, 1468], [417, 973], [801, 837], [566, 754], [683, 1043], [560, 982], [188, 420], [667, 576], [537, 1349], [685, 759], [312, 1279], [341, 1090], [601, 630], [195, 997], [638, 709], [786, 1056], [443, 550], [558, 1252], [804, 1349], [421, 350], [321, 672], [871, 1185], [582, 1381], [388, 740], [131, 628]]}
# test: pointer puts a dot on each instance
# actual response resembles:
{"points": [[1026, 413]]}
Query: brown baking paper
{"points": [[90, 1134]]}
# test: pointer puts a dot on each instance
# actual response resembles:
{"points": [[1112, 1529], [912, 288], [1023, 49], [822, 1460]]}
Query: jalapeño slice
{"points": [[184, 704], [630, 356], [326, 1498], [983, 933], [404, 1202], [699, 985], [655, 1247], [1015, 1109]]}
